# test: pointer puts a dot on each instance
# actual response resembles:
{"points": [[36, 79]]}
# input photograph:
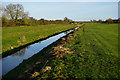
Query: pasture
{"points": [[95, 54], [14, 37]]}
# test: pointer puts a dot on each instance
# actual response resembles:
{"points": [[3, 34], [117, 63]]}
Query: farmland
{"points": [[12, 37], [92, 53], [95, 54]]}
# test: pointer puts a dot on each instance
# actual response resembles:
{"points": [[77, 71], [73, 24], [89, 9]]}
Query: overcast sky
{"points": [[79, 11]]}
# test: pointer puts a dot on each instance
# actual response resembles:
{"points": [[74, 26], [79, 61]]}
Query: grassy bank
{"points": [[91, 52], [17, 36], [36, 62], [95, 55]]}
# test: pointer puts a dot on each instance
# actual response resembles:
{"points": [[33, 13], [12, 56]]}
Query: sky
{"points": [[77, 11], [60, 0]]}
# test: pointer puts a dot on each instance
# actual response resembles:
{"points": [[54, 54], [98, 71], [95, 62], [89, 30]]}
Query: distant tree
{"points": [[5, 22], [31, 21], [91, 21], [99, 21], [94, 21], [67, 20], [109, 20], [118, 20], [42, 21]]}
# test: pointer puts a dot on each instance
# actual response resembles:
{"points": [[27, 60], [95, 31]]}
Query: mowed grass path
{"points": [[103, 35], [95, 54], [11, 37]]}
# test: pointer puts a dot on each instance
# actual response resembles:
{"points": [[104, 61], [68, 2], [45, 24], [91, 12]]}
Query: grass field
{"points": [[95, 54], [13, 37]]}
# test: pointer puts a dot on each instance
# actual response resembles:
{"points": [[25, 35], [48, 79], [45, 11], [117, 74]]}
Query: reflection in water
{"points": [[19, 53], [39, 42], [66, 32], [10, 62]]}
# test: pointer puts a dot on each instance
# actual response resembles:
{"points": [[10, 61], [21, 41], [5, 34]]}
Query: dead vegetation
{"points": [[61, 51], [35, 74], [58, 52]]}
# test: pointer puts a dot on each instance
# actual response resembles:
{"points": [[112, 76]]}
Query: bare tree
{"points": [[15, 11]]}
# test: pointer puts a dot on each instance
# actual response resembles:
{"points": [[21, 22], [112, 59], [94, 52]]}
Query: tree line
{"points": [[107, 21], [14, 15]]}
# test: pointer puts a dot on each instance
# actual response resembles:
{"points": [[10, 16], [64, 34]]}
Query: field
{"points": [[17, 36], [93, 54]]}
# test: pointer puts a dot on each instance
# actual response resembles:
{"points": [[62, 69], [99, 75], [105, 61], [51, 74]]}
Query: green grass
{"points": [[95, 54], [11, 37]]}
